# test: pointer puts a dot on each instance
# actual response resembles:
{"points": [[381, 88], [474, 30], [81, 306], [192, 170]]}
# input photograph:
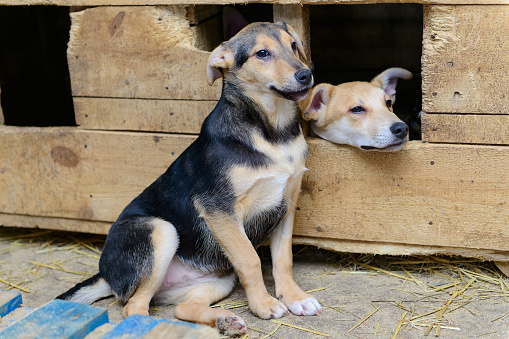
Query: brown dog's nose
{"points": [[303, 76], [400, 130]]}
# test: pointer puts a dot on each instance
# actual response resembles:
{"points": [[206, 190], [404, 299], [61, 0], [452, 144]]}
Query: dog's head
{"points": [[263, 59], [359, 114]]}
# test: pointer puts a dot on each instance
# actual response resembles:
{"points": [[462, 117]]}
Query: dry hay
{"points": [[452, 283]]}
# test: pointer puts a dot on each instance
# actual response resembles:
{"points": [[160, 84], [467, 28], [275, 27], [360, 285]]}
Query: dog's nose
{"points": [[304, 76], [400, 130]]}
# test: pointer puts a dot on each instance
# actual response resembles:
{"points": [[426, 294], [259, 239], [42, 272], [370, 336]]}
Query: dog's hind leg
{"points": [[196, 307], [165, 243], [135, 259]]}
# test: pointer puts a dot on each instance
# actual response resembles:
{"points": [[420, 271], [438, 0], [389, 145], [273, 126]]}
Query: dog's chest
{"points": [[268, 187]]}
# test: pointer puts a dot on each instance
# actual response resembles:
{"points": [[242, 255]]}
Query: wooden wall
{"points": [[138, 82], [465, 84]]}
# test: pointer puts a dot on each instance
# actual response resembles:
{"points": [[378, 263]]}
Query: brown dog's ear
{"points": [[316, 102], [220, 58], [388, 79], [289, 29]]}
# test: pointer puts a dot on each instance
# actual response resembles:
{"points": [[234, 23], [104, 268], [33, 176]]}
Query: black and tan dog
{"points": [[184, 239]]}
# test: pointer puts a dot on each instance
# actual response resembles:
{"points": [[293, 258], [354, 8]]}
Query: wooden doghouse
{"points": [[140, 95]]}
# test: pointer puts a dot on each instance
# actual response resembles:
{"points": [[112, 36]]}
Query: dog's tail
{"points": [[88, 291]]}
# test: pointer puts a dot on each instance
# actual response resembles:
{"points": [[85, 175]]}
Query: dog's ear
{"points": [[316, 102], [388, 79], [220, 58], [289, 29]]}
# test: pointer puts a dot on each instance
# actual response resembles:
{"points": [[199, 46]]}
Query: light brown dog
{"points": [[358, 113]]}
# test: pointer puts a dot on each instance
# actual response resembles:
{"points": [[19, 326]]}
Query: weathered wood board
{"points": [[173, 116], [231, 2], [58, 319], [466, 128], [140, 326], [9, 301], [139, 52], [465, 59], [426, 194], [79, 174]]}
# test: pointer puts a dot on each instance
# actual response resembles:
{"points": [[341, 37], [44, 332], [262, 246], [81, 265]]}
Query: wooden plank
{"points": [[79, 174], [59, 224], [58, 318], [464, 64], [173, 116], [182, 330], [466, 129], [134, 326], [388, 248], [425, 194], [231, 2], [137, 52], [140, 326], [9, 301]]}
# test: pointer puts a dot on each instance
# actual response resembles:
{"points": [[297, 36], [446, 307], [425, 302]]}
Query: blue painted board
{"points": [[9, 301], [58, 319], [135, 326]]}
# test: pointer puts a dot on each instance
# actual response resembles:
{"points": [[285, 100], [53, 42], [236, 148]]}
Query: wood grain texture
{"points": [[465, 61], [466, 128], [140, 326], [9, 301], [57, 224], [426, 194], [165, 330], [173, 116], [388, 248], [137, 52], [231, 2], [79, 174], [58, 319]]}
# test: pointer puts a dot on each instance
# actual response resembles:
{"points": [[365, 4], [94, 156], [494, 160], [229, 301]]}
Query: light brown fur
{"points": [[329, 108]]}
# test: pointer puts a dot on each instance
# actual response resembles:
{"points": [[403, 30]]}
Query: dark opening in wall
{"points": [[215, 24], [34, 77], [357, 42]]}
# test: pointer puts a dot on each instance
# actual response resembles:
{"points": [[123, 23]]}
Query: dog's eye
{"points": [[263, 53], [294, 46], [357, 109], [389, 103]]}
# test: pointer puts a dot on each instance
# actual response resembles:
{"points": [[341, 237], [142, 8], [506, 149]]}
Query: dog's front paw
{"points": [[231, 326], [308, 306], [269, 308]]}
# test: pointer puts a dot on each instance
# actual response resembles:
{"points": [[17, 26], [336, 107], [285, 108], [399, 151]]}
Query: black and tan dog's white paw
{"points": [[269, 308]]}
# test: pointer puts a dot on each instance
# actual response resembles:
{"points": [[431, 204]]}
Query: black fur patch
{"points": [[127, 255]]}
